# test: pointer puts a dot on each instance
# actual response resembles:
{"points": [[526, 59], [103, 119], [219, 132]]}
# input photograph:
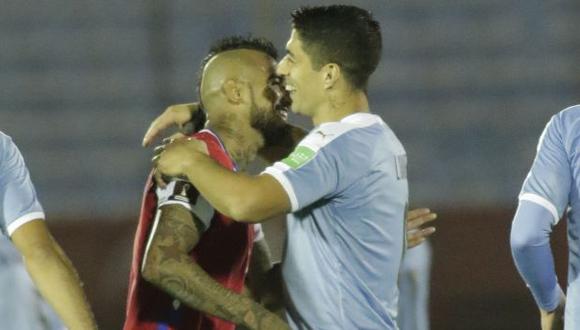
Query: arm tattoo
{"points": [[170, 267]]}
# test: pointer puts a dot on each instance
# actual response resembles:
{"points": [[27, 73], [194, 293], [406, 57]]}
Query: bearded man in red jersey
{"points": [[189, 261]]}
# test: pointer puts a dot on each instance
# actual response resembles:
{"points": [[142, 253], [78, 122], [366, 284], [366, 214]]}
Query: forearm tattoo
{"points": [[176, 235]]}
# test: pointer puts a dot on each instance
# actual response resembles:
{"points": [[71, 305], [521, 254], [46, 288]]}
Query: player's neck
{"points": [[242, 142], [340, 105]]}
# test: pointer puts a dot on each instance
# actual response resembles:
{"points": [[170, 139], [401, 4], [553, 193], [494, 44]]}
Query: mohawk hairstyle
{"points": [[346, 35], [233, 43]]}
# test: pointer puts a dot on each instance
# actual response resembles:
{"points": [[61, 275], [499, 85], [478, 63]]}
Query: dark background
{"points": [[467, 86]]}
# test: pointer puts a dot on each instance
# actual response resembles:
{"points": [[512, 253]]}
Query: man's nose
{"points": [[282, 68]]}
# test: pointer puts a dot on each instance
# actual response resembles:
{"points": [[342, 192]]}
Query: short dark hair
{"points": [[341, 34], [233, 43], [240, 42]]}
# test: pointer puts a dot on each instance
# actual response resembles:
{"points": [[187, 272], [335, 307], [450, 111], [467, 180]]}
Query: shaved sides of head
{"points": [[238, 65], [235, 43]]}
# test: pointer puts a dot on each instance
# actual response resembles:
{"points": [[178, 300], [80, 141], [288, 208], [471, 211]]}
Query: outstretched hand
{"points": [[415, 219]]}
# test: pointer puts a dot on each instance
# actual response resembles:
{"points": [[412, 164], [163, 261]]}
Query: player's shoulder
{"points": [[7, 146], [570, 115], [566, 122], [5, 139], [357, 127], [573, 110]]}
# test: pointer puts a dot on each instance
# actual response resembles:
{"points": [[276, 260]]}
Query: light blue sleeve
{"points": [[18, 201], [549, 180], [530, 245], [319, 167]]}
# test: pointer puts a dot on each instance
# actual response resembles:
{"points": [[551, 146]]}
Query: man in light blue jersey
{"points": [[345, 183], [22, 220], [550, 189]]}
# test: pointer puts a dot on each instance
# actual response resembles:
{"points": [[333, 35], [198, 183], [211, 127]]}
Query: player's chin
{"points": [[282, 114]]}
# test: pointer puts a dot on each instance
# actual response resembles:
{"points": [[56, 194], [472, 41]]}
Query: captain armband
{"points": [[180, 192]]}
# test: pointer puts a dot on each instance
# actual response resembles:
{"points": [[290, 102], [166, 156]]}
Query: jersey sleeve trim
{"points": [[542, 202], [11, 228], [283, 180]]}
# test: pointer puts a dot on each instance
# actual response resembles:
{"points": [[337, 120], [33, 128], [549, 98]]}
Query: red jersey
{"points": [[223, 251]]}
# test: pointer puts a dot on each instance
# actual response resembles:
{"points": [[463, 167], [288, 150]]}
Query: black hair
{"points": [[341, 34]]}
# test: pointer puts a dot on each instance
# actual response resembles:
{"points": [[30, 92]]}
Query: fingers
{"points": [[418, 236], [157, 151], [174, 115], [418, 212], [418, 217], [415, 219], [177, 136], [159, 124]]}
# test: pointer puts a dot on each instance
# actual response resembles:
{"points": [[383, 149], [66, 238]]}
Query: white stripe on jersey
{"points": [[536, 199], [11, 228]]}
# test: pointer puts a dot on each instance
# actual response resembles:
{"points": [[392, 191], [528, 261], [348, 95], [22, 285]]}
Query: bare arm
{"points": [[167, 264], [54, 275], [247, 199], [186, 117], [278, 146]]}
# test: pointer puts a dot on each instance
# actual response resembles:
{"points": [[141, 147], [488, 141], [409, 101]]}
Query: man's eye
{"points": [[275, 82]]}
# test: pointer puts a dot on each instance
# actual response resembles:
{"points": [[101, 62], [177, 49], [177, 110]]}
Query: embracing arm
{"points": [[54, 275], [188, 117], [278, 145], [167, 264], [247, 198]]}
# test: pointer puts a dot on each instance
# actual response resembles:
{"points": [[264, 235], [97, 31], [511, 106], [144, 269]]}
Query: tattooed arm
{"points": [[167, 265]]}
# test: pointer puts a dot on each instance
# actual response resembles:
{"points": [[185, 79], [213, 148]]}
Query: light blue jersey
{"points": [[414, 280], [18, 201], [553, 184], [18, 206], [347, 184]]}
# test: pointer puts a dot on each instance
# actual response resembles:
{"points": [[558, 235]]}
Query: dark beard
{"points": [[273, 128]]}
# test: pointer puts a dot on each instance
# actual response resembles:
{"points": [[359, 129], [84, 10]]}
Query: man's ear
{"points": [[331, 73], [232, 89]]}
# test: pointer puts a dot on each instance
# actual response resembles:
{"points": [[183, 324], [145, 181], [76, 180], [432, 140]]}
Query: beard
{"points": [[271, 124]]}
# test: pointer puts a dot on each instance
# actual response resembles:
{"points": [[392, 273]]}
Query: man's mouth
{"points": [[283, 104]]}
